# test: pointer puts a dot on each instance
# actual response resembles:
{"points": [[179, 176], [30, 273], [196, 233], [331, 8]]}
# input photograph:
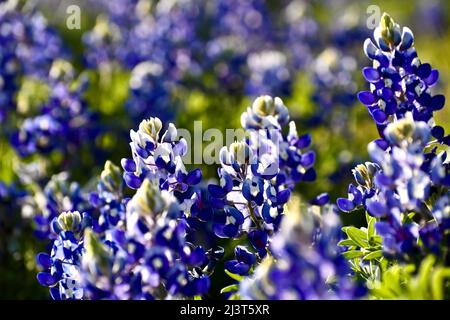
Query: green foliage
{"points": [[364, 250], [108, 89], [402, 282], [230, 288], [8, 158]]}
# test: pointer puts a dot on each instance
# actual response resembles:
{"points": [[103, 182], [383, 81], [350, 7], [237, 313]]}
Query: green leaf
{"points": [[377, 240], [358, 236], [352, 254], [197, 297], [425, 271], [233, 287], [234, 276], [347, 242], [437, 282], [373, 255], [371, 228]]}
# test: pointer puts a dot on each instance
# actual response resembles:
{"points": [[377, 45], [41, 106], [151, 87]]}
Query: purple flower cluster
{"points": [[29, 47], [61, 269], [64, 123], [256, 178], [406, 188], [399, 81], [399, 189], [305, 263], [145, 256], [132, 248], [46, 204], [158, 158]]}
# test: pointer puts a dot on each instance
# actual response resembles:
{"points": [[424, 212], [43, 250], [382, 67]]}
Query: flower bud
{"points": [[364, 173], [111, 177], [151, 127], [67, 221], [240, 152]]}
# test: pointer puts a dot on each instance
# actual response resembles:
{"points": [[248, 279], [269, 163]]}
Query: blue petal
{"points": [[283, 196], [132, 180], [236, 214], [310, 175], [46, 279], [367, 98], [44, 260], [308, 159], [407, 39], [321, 199], [437, 132], [379, 116], [345, 204], [432, 78], [376, 209], [128, 165], [370, 49], [303, 141], [371, 74], [194, 177], [258, 239], [244, 255], [424, 70], [231, 230], [437, 102], [216, 191], [237, 267], [55, 294]]}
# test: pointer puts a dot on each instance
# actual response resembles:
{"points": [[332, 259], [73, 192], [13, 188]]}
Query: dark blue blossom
{"points": [[245, 259], [61, 269], [158, 158], [399, 81], [299, 270]]}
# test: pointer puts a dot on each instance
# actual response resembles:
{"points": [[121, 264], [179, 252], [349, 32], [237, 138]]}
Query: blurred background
{"points": [[182, 61]]}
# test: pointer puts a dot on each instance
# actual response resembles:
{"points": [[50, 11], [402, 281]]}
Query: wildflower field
{"points": [[224, 150]]}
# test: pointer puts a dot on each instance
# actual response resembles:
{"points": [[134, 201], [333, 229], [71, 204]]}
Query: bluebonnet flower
{"points": [[401, 188], [147, 257], [109, 199], [245, 259], [306, 262], [61, 269], [46, 203], [365, 188], [399, 81], [408, 176], [64, 122], [158, 158], [256, 179]]}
